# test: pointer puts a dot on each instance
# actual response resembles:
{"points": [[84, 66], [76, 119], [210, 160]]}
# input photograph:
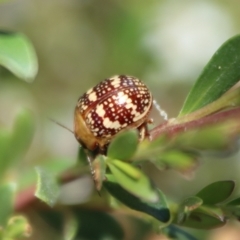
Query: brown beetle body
{"points": [[115, 104]]}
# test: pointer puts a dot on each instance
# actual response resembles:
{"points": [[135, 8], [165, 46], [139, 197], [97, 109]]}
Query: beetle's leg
{"points": [[92, 170], [143, 130], [149, 121]]}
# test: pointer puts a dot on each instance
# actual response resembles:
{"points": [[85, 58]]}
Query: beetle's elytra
{"points": [[115, 104]]}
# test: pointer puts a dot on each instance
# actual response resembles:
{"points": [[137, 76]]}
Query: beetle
{"points": [[116, 104]]}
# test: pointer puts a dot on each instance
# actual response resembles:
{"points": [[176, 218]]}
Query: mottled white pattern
{"points": [[100, 111], [115, 81], [115, 104], [92, 97], [89, 91], [109, 124], [121, 98]]}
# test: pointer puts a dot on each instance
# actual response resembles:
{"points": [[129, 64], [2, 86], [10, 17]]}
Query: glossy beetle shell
{"points": [[115, 104]]}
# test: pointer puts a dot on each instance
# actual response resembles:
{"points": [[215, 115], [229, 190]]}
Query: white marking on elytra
{"points": [[138, 115], [84, 107], [134, 112], [92, 96], [122, 98], [129, 100], [130, 104], [89, 91], [109, 124], [115, 81], [100, 111]]}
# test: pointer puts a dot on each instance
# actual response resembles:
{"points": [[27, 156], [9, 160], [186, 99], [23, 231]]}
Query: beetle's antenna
{"points": [[61, 125]]}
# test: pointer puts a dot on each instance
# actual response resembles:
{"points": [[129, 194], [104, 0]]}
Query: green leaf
{"points": [[148, 149], [13, 146], [234, 202], [47, 187], [168, 154], [82, 156], [23, 132], [5, 138], [178, 233], [187, 207], [205, 218], [53, 218], [127, 168], [92, 224], [181, 161], [216, 192], [220, 74], [17, 55], [230, 99], [123, 146], [70, 227], [57, 166], [97, 225], [213, 137], [17, 228], [133, 180], [158, 210], [7, 192], [231, 211]]}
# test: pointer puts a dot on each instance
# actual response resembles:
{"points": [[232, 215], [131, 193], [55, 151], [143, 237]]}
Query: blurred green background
{"points": [[80, 42]]}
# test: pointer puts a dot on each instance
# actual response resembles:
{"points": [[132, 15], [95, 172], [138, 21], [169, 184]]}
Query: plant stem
{"points": [[229, 99]]}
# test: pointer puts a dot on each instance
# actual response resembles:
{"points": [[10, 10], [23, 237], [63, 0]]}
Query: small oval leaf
{"points": [[17, 228], [158, 210], [180, 160], [7, 192], [187, 207], [219, 75], [123, 146], [5, 139], [133, 180], [205, 218], [18, 55], [234, 202], [82, 157], [216, 192], [14, 145], [97, 225], [23, 132], [47, 187], [131, 171], [178, 233], [70, 227]]}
